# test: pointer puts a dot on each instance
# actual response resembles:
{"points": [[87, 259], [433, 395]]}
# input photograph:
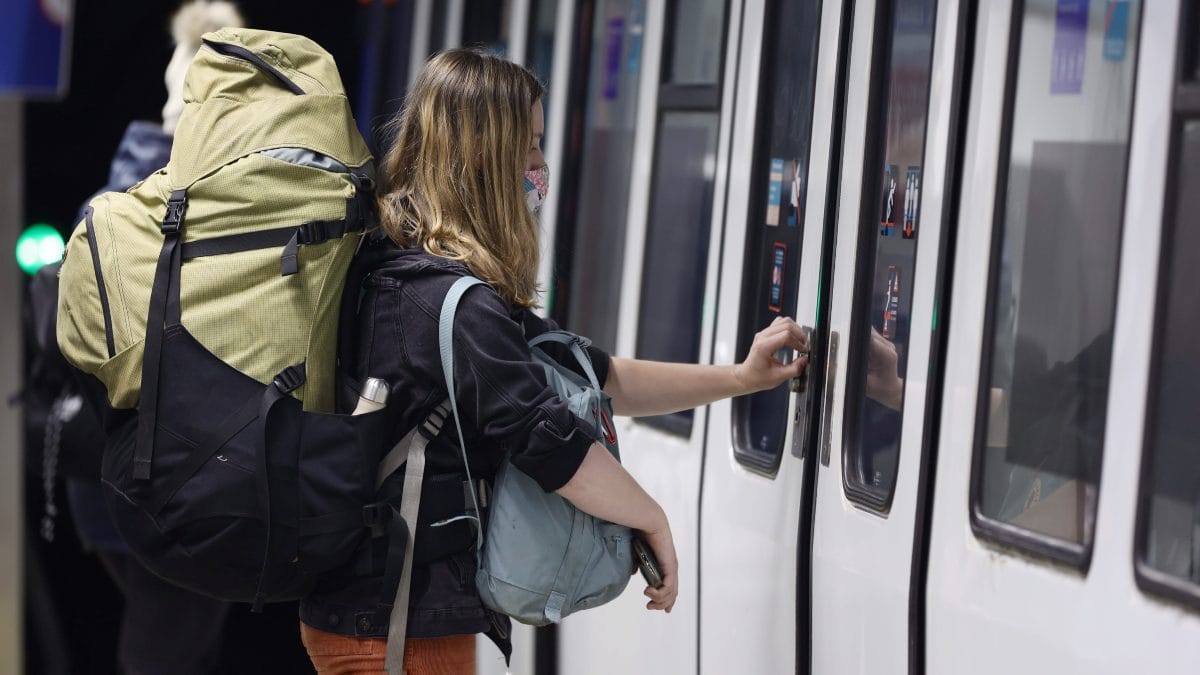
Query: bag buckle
{"points": [[432, 426], [376, 517], [176, 206], [362, 181], [290, 379], [314, 232]]}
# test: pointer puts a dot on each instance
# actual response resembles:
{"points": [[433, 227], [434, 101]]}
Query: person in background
{"points": [[459, 189], [164, 629]]}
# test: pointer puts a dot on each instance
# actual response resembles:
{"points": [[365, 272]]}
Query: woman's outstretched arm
{"points": [[640, 388]]}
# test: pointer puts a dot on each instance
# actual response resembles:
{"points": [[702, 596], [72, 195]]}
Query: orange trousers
{"points": [[334, 654]]}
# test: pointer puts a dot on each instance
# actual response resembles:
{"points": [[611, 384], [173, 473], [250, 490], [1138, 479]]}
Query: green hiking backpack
{"points": [[210, 296], [270, 184]]}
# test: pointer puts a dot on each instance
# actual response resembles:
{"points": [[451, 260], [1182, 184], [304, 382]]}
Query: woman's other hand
{"points": [[663, 546]]}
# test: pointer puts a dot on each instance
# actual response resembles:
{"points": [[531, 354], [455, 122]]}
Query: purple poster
{"points": [[612, 64], [1070, 41]]}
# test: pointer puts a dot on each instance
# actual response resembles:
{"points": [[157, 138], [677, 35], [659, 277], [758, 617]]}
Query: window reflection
{"points": [[596, 256], [1051, 313], [485, 25], [696, 56], [891, 232], [676, 262]]}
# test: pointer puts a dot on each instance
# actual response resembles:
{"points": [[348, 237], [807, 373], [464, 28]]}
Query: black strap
{"points": [[164, 311], [291, 238], [237, 243], [397, 537], [341, 521], [94, 245], [284, 383]]}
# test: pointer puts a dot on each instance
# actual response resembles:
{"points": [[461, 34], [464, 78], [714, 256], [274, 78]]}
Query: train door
{"points": [[752, 502], [844, 206], [1082, 113], [882, 326]]}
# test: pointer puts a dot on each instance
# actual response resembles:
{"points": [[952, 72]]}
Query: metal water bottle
{"points": [[373, 397]]}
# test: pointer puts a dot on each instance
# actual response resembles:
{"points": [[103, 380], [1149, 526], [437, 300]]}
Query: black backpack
{"points": [[63, 433], [255, 508]]}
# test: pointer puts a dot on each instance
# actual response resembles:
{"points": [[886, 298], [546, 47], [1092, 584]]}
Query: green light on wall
{"points": [[39, 245]]}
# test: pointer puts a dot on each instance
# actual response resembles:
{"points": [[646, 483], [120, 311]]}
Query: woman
{"points": [[458, 193]]}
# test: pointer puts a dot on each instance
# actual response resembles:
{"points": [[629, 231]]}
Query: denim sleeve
{"points": [[502, 394]]}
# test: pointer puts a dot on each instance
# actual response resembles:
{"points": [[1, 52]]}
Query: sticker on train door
{"points": [[887, 216], [774, 192], [793, 208], [1070, 47], [612, 61], [912, 191], [1116, 28], [778, 262], [891, 303]]}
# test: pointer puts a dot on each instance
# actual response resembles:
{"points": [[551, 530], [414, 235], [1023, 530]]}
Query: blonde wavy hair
{"points": [[452, 182]]}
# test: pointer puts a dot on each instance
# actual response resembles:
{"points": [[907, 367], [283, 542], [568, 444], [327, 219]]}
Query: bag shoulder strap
{"points": [[575, 343], [446, 348]]}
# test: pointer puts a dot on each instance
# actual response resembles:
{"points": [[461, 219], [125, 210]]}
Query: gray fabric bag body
{"points": [[544, 559]]}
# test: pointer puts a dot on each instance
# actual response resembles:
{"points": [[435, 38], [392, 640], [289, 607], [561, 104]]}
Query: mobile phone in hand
{"points": [[647, 563]]}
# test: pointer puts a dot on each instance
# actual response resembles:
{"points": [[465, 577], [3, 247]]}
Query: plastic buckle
{"points": [[290, 379], [176, 206], [362, 181], [375, 517], [432, 426], [313, 232]]}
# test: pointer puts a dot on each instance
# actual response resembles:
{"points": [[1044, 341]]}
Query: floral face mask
{"points": [[537, 184]]}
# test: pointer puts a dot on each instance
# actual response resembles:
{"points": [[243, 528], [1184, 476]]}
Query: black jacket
{"points": [[506, 407]]}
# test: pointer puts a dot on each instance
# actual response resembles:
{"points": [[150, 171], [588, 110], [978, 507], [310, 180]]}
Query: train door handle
{"points": [[827, 399], [802, 416], [799, 385]]}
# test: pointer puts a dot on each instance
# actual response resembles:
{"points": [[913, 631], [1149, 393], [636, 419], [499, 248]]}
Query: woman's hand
{"points": [[762, 368], [883, 383], [663, 546]]}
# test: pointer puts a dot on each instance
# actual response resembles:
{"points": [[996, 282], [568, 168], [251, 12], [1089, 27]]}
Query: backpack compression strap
{"points": [[415, 471], [410, 451], [164, 311]]}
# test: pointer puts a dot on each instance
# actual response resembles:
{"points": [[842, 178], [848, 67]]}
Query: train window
{"points": [[1191, 55], [1048, 342], [595, 217], [695, 61], [485, 25], [675, 259], [773, 234], [1169, 514], [543, 15], [669, 314], [887, 260]]}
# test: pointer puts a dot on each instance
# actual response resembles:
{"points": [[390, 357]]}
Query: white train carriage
{"points": [[983, 211]]}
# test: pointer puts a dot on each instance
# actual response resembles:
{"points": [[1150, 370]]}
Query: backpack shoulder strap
{"points": [[575, 343], [414, 474], [410, 450]]}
